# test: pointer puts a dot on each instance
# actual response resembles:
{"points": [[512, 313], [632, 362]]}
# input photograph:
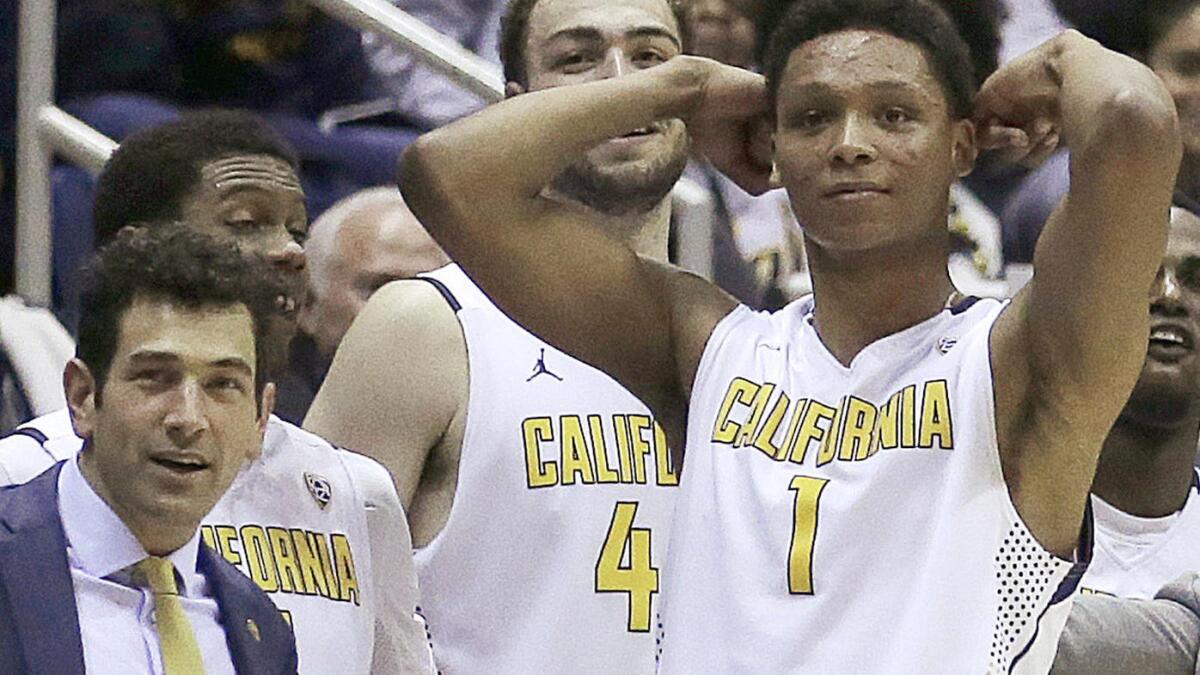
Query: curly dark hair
{"points": [[152, 171], [918, 21], [172, 262], [514, 29], [978, 21], [1132, 28]]}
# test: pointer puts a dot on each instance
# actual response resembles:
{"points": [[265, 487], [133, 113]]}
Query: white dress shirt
{"points": [[116, 618]]}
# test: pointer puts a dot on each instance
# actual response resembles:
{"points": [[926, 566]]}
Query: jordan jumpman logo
{"points": [[540, 368]]}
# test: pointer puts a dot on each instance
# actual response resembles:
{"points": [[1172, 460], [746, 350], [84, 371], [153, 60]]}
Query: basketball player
{"points": [[319, 529], [1145, 495], [539, 491], [883, 477]]}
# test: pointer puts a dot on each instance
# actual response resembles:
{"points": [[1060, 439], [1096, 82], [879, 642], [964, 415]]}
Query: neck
{"points": [[861, 297], [1147, 472], [1188, 181], [156, 535], [646, 233]]}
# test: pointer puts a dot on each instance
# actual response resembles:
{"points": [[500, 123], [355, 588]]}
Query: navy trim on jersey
{"points": [[1196, 481], [1070, 583], [963, 305], [453, 301], [31, 433]]}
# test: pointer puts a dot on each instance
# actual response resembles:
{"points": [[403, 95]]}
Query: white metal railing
{"points": [[44, 130]]}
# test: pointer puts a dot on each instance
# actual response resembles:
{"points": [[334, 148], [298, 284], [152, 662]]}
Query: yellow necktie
{"points": [[180, 651]]}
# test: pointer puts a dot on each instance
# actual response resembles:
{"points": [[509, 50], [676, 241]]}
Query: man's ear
{"points": [[266, 407], [512, 89], [965, 150], [79, 385]]}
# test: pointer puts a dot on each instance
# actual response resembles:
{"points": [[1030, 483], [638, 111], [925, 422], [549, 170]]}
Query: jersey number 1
{"points": [[624, 565], [804, 533]]}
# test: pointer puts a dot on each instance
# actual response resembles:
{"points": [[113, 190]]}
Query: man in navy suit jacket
{"points": [[167, 393]]}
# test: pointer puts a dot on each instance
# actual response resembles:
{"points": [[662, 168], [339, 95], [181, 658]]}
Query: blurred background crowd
{"points": [[123, 66]]}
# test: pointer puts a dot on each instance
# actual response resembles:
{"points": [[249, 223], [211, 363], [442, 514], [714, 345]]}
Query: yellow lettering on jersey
{"points": [[624, 456], [344, 564], [665, 473], [604, 473], [766, 433], [310, 565], [829, 444], [209, 538], [537, 430], [793, 431], [291, 579], [757, 409], [575, 459], [935, 416], [323, 553], [810, 430], [859, 430], [226, 538], [259, 561], [908, 416], [888, 423], [641, 447], [741, 391]]}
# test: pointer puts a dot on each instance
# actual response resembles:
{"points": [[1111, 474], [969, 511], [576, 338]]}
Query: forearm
{"points": [[1106, 98], [513, 149]]}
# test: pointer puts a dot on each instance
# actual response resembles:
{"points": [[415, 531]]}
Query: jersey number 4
{"points": [[624, 565], [804, 532]]}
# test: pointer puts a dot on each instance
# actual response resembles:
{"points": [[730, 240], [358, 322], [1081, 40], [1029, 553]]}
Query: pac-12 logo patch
{"points": [[319, 488], [946, 344]]}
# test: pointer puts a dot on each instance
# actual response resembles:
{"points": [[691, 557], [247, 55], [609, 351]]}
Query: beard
{"points": [[1160, 406], [629, 187]]}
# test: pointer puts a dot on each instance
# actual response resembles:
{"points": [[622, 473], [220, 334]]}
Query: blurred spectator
{"points": [[354, 248], [1029, 24], [719, 30], [426, 98], [1166, 36], [34, 349]]}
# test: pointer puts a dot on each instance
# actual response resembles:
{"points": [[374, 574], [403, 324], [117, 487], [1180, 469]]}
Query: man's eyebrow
{"points": [[234, 363], [826, 89], [589, 33], [153, 355]]}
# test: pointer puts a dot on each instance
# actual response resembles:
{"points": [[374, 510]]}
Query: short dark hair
{"points": [[1132, 28], [152, 171], [175, 263], [514, 30], [918, 21], [978, 22]]}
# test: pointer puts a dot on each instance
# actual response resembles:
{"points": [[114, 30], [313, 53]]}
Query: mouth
{"points": [[857, 190], [1170, 342], [286, 304], [637, 134], [180, 464]]}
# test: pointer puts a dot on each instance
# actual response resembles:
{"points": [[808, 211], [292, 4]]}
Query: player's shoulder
{"points": [[37, 445], [372, 481]]}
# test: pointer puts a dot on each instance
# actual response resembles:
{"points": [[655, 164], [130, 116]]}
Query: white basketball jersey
{"points": [[292, 521], [1135, 557], [553, 555], [853, 519]]}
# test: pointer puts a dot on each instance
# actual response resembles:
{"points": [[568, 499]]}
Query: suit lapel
{"points": [[245, 648], [37, 577]]}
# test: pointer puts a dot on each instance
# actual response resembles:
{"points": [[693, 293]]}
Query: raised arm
{"points": [[479, 186], [1068, 351]]}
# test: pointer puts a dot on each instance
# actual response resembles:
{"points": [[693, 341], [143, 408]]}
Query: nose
{"points": [[1166, 295], [290, 258], [853, 145], [186, 421], [616, 63]]}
